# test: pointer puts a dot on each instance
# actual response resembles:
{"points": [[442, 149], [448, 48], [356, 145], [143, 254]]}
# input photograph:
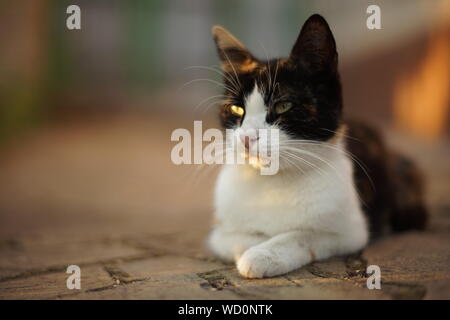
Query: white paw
{"points": [[260, 263]]}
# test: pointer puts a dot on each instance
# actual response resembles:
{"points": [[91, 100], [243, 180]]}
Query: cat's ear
{"points": [[232, 53], [315, 48]]}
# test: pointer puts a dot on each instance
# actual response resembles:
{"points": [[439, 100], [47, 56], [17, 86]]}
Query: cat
{"points": [[311, 208]]}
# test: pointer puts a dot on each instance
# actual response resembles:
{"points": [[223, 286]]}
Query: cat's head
{"points": [[300, 95]]}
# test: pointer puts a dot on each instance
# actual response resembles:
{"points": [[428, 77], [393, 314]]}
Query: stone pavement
{"points": [[104, 195]]}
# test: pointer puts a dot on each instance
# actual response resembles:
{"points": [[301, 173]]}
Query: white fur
{"points": [[273, 224], [255, 115]]}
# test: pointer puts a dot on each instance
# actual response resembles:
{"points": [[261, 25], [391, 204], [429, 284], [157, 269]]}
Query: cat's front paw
{"points": [[260, 263]]}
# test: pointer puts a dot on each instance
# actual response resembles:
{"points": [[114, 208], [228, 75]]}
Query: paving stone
{"points": [[52, 285], [162, 286], [299, 284], [164, 277], [31, 256], [190, 286], [413, 265], [437, 289], [328, 288], [300, 274], [148, 268], [412, 256], [182, 243], [331, 268], [233, 276], [440, 222], [228, 278]]}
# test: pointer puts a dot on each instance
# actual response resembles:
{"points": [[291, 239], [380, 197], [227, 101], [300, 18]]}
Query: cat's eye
{"points": [[282, 107], [237, 111]]}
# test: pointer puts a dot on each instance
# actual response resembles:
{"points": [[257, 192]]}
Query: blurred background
{"points": [[86, 115]]}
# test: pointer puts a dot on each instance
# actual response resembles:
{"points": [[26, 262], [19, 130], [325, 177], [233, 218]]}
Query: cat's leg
{"points": [[292, 250], [229, 246]]}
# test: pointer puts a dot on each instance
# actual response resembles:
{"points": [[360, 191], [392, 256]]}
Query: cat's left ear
{"points": [[315, 48], [232, 53]]}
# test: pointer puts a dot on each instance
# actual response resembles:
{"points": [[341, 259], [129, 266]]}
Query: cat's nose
{"points": [[248, 139]]}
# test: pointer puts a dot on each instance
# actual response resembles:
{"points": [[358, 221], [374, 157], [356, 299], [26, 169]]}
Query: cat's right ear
{"points": [[315, 48], [234, 56]]}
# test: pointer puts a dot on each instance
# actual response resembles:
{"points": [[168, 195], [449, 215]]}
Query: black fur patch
{"points": [[393, 195]]}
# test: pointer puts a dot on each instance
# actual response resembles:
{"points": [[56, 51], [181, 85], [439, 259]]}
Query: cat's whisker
{"points": [[348, 153], [267, 70], [326, 162], [234, 70], [213, 104], [355, 159], [277, 85], [286, 158], [223, 74], [203, 172], [199, 169], [344, 135], [312, 154], [193, 175], [203, 169], [208, 99], [276, 123], [260, 85], [220, 154], [275, 77], [294, 156], [321, 172], [207, 80]]}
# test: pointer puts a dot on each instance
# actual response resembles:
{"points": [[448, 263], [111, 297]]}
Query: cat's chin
{"points": [[256, 162]]}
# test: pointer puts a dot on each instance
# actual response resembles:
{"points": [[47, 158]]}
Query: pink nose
{"points": [[248, 139]]}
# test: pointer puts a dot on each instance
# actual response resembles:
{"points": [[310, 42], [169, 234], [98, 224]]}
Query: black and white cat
{"points": [[310, 210]]}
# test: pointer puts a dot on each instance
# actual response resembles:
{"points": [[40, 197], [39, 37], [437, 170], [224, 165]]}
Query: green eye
{"points": [[236, 110], [282, 107]]}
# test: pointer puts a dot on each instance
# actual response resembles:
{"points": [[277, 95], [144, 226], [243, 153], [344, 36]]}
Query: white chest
{"points": [[268, 204]]}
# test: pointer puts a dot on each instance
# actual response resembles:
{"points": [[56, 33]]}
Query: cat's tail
{"points": [[408, 210]]}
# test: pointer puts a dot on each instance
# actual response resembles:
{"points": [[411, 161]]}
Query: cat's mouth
{"points": [[256, 161]]}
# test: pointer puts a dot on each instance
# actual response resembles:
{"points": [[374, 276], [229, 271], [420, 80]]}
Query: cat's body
{"points": [[310, 209], [274, 224]]}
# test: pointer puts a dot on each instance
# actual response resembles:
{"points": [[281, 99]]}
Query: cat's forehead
{"points": [[271, 76], [268, 70], [264, 73]]}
